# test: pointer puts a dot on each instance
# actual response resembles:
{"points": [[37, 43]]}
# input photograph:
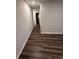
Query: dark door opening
{"points": [[37, 18], [37, 22]]}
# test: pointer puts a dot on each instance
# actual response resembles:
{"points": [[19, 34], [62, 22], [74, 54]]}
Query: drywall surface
{"points": [[51, 17], [34, 17], [24, 24]]}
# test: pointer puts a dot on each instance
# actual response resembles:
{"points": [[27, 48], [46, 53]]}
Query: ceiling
{"points": [[37, 3]]}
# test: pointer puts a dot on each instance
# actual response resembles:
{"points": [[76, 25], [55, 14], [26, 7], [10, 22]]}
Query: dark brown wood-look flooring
{"points": [[43, 46]]}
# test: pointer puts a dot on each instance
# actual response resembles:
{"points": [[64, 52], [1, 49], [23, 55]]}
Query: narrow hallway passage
{"points": [[43, 46]]}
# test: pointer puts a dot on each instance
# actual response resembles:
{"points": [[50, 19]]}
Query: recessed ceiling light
{"points": [[33, 2]]}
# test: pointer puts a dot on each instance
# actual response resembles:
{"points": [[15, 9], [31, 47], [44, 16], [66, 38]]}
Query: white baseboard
{"points": [[23, 45], [51, 33]]}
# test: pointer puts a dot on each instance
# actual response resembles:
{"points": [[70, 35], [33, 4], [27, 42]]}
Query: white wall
{"points": [[24, 24], [51, 17], [34, 17]]}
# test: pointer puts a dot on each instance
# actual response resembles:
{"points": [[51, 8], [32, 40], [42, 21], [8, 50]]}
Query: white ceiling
{"points": [[37, 5]]}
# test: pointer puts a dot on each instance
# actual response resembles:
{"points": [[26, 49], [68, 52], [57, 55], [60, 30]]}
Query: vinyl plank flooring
{"points": [[43, 46]]}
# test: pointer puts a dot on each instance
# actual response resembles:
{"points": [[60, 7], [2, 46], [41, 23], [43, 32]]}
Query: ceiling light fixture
{"points": [[33, 2]]}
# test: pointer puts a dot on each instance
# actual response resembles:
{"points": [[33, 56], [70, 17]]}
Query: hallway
{"points": [[44, 41], [43, 46]]}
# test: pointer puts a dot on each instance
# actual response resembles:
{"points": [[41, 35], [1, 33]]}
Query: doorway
{"points": [[37, 22], [37, 18]]}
